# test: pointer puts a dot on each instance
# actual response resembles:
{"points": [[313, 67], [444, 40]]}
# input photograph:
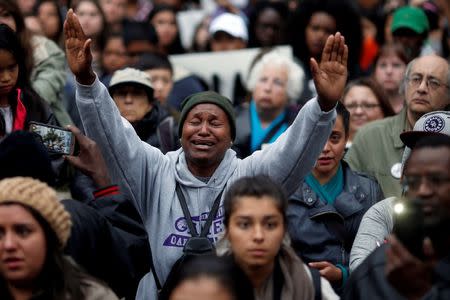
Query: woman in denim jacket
{"points": [[325, 212]]}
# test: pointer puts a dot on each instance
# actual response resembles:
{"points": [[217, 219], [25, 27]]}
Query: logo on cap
{"points": [[434, 124]]}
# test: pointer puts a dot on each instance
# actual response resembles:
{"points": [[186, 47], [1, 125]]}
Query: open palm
{"points": [[330, 75], [78, 50]]}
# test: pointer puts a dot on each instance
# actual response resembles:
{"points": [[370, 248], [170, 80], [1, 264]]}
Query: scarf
{"points": [[20, 114], [296, 282], [330, 190], [258, 133]]}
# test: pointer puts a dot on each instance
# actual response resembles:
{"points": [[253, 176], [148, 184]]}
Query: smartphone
{"points": [[55, 139], [409, 227]]}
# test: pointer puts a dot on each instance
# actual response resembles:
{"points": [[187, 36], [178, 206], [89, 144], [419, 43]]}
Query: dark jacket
{"points": [[321, 231], [369, 281], [36, 109], [109, 241], [158, 129], [242, 142]]}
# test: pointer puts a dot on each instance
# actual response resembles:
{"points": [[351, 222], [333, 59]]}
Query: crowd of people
{"points": [[325, 174]]}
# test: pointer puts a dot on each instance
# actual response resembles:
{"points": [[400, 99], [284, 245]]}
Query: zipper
{"points": [[344, 263]]}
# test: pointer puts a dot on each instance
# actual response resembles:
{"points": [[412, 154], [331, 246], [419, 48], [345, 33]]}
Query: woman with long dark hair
{"points": [[164, 19], [311, 25], [51, 20], [34, 228], [43, 58], [19, 103]]}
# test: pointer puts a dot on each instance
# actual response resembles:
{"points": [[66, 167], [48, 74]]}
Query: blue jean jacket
{"points": [[324, 232]]}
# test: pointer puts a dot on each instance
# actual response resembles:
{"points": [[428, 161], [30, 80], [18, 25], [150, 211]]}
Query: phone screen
{"points": [[55, 139], [409, 225]]}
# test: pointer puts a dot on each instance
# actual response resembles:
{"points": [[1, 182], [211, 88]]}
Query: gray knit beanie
{"points": [[208, 97]]}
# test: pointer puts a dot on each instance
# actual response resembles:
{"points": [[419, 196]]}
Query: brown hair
{"points": [[392, 49], [376, 89]]}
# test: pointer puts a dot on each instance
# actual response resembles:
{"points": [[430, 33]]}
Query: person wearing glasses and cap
{"points": [[377, 148]]}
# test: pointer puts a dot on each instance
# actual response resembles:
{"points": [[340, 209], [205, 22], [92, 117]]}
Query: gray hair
{"points": [[296, 74], [402, 88]]}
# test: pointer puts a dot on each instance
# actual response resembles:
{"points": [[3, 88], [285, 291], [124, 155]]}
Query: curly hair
{"points": [[295, 73], [348, 24]]}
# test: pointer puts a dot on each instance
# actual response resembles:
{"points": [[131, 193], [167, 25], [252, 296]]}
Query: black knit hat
{"points": [[208, 97], [21, 154]]}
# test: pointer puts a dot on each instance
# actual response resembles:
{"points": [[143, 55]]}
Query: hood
{"points": [[218, 179]]}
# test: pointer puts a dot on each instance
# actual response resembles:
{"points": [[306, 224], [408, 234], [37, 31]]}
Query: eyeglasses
{"points": [[364, 106], [434, 181], [416, 80]]}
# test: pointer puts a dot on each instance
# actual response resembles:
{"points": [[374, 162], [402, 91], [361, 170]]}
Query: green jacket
{"points": [[377, 150], [48, 76]]}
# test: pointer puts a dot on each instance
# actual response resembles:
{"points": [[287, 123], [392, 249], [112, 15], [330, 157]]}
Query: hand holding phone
{"points": [[409, 226], [410, 276], [90, 160], [55, 139]]}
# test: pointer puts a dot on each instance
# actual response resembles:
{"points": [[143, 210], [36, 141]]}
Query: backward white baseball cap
{"points": [[432, 123], [232, 24], [133, 77]]}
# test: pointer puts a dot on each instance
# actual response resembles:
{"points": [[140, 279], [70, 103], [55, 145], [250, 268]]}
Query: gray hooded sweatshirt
{"points": [[149, 177]]}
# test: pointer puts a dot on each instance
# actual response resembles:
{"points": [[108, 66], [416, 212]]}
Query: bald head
{"points": [[426, 86]]}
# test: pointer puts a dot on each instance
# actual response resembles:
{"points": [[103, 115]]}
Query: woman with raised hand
{"points": [[205, 164]]}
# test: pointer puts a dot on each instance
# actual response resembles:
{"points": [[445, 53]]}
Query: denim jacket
{"points": [[324, 232]]}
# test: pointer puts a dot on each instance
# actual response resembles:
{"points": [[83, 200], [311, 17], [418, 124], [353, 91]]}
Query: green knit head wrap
{"points": [[208, 97]]}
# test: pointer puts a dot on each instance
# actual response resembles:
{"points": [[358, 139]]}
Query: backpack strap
{"points": [[190, 224], [211, 215], [152, 268], [316, 283], [188, 217], [186, 213]]}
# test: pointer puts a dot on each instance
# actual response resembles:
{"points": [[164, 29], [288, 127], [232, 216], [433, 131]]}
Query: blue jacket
{"points": [[323, 232]]}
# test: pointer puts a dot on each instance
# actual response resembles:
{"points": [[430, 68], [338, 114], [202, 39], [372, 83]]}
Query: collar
{"points": [[400, 124], [345, 205]]}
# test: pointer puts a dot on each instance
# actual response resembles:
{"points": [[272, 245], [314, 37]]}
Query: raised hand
{"points": [[410, 276], [330, 75], [78, 50]]}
